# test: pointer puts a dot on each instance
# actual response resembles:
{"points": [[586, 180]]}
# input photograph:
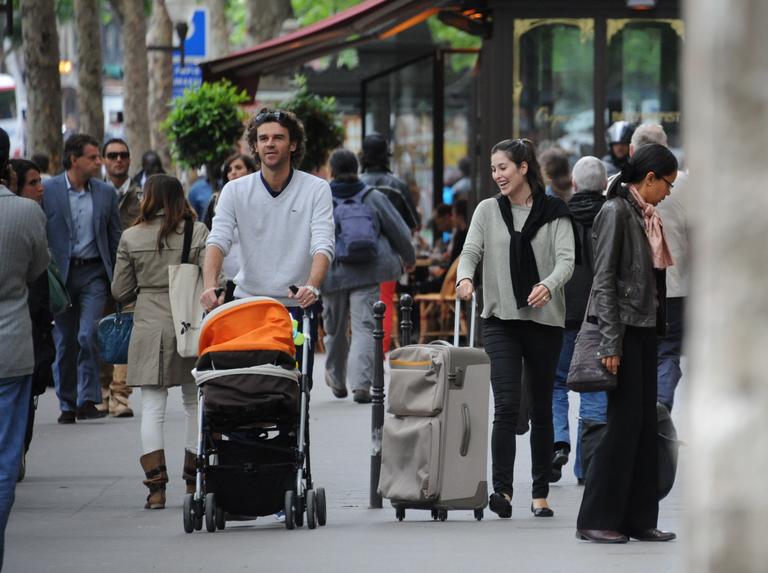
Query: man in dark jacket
{"points": [[589, 182], [351, 286], [374, 164]]}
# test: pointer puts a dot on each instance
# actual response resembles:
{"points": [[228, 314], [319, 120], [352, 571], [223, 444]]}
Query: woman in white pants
{"points": [[141, 273]]}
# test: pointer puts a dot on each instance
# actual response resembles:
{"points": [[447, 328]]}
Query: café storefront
{"points": [[559, 72]]}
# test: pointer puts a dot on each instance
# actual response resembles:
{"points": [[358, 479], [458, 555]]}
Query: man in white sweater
{"points": [[284, 218], [285, 221]]}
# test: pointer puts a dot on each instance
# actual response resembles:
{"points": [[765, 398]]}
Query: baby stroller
{"points": [[253, 432]]}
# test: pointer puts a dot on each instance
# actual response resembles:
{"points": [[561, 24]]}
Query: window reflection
{"points": [[643, 76], [554, 104]]}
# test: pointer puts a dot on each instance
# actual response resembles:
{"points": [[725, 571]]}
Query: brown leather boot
{"points": [[119, 393], [153, 464], [189, 472]]}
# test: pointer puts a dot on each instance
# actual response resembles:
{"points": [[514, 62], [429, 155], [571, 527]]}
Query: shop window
{"points": [[553, 83], [643, 73]]}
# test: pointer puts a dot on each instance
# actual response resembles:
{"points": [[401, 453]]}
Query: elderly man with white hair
{"points": [[673, 216], [589, 183]]}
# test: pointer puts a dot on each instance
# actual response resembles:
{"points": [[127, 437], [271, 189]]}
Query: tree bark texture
{"points": [[160, 78], [135, 77], [219, 42], [89, 68], [41, 54], [264, 18], [726, 66]]}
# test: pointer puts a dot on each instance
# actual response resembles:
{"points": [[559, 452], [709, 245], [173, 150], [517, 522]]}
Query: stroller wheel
{"points": [[311, 509], [197, 512], [320, 505], [298, 510], [290, 500], [188, 520], [210, 512], [220, 517]]}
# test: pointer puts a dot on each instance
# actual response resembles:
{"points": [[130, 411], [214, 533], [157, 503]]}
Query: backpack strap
{"points": [[188, 225]]}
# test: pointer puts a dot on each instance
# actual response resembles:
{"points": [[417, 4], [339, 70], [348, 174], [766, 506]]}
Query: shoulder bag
{"points": [[185, 287], [58, 297], [587, 373]]}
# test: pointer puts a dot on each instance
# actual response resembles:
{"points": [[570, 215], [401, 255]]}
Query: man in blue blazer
{"points": [[83, 232]]}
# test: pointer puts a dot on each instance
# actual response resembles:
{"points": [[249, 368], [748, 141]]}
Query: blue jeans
{"points": [[593, 405], [669, 351], [76, 370], [14, 405]]}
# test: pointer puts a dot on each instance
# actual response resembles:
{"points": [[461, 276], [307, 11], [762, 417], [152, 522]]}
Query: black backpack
{"points": [[395, 197]]}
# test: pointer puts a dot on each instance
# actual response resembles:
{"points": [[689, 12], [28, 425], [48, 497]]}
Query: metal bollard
{"points": [[377, 403], [406, 324]]}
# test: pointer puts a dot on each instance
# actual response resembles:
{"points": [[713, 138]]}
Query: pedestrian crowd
{"points": [[557, 248]]}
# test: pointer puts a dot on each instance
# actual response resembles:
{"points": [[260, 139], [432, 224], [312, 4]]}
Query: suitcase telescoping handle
{"points": [[457, 322]]}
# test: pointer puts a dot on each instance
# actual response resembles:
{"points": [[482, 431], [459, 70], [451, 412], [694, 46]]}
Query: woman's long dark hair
{"points": [[164, 193], [651, 158], [519, 150]]}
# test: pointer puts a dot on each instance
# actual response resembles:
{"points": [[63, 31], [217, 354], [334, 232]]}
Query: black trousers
{"points": [[514, 347], [621, 492]]}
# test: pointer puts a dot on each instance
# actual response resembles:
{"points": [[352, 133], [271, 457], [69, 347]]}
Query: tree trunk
{"points": [[135, 77], [264, 19], [41, 54], [726, 53], [160, 78], [89, 68], [217, 17]]}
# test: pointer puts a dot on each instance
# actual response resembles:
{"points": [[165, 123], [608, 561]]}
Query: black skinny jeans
{"points": [[621, 492], [515, 346]]}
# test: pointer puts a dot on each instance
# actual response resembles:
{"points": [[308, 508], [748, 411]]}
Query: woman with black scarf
{"points": [[526, 241]]}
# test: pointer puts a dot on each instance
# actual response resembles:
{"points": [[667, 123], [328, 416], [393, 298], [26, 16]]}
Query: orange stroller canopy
{"points": [[256, 323]]}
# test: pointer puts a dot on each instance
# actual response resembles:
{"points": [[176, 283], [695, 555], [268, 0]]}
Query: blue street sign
{"points": [[195, 50]]}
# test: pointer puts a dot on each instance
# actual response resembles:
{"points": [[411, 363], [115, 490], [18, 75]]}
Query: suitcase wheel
{"points": [[400, 513], [479, 514]]}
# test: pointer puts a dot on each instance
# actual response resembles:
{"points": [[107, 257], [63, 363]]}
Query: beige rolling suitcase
{"points": [[435, 440]]}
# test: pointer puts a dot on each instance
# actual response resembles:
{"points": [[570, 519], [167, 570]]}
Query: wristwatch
{"points": [[314, 290]]}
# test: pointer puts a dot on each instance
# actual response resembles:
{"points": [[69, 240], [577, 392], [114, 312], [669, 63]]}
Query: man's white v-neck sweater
{"points": [[278, 235]]}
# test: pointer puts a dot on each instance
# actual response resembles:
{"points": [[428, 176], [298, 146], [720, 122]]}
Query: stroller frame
{"points": [[304, 499]]}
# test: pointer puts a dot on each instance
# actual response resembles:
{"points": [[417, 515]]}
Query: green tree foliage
{"points": [[318, 114], [205, 124]]}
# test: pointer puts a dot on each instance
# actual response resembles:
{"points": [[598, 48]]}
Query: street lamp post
{"points": [[180, 12]]}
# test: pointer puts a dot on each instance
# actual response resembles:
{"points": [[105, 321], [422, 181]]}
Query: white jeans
{"points": [[153, 401]]}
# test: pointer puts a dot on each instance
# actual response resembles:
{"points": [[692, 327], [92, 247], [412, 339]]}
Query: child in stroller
{"points": [[253, 421]]}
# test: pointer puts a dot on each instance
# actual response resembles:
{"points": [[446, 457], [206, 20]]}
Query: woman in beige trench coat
{"points": [[141, 273]]}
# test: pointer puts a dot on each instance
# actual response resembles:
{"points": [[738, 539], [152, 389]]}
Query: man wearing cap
{"points": [[374, 164], [83, 231], [23, 258]]}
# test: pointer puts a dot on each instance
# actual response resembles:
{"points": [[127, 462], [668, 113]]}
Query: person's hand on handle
{"points": [[611, 364], [306, 295], [211, 298], [539, 296], [465, 289]]}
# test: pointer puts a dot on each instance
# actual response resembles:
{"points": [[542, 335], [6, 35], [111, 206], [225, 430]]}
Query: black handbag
{"points": [[114, 334], [587, 373]]}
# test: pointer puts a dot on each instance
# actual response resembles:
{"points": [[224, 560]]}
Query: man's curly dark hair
{"points": [[289, 121]]}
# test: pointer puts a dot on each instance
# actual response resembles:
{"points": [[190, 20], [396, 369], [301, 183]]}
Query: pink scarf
{"points": [[662, 258]]}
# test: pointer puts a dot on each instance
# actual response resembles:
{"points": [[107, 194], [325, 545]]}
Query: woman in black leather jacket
{"points": [[621, 499]]}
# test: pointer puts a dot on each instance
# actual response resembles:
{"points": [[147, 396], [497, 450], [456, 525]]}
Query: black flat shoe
{"points": [[542, 511], [89, 412], [500, 505], [67, 417], [653, 534]]}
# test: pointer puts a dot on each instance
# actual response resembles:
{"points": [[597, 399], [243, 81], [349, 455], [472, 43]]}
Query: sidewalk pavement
{"points": [[80, 510]]}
